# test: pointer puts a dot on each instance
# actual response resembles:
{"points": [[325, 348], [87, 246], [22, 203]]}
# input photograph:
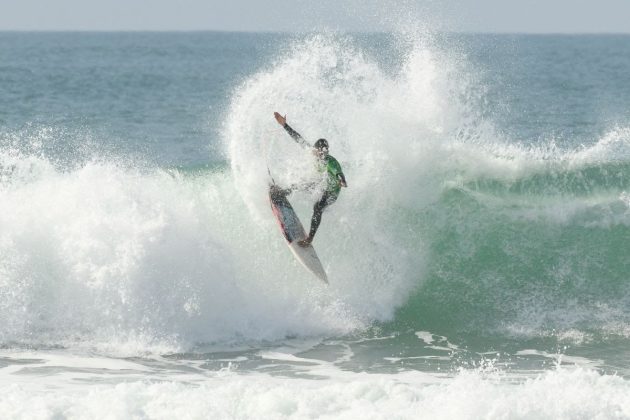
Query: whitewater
{"points": [[478, 261]]}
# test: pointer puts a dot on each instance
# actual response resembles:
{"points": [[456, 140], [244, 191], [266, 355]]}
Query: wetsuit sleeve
{"points": [[342, 178], [296, 136]]}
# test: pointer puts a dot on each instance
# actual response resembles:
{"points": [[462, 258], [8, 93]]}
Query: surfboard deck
{"points": [[293, 232]]}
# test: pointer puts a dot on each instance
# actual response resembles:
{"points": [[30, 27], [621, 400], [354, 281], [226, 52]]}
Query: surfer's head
{"points": [[320, 148]]}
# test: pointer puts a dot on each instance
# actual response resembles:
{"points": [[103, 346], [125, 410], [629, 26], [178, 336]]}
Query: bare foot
{"points": [[305, 242], [275, 190]]}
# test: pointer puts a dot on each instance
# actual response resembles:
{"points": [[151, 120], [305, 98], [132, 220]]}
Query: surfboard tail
{"points": [[293, 231]]}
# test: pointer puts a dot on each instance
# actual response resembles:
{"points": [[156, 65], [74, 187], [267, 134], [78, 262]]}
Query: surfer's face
{"points": [[320, 152]]}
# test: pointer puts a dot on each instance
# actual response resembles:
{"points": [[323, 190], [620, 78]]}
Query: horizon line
{"points": [[287, 32]]}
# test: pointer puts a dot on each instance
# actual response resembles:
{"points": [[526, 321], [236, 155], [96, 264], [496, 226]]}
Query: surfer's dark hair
{"points": [[321, 144]]}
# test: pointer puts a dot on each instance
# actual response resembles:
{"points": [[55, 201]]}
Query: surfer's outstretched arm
{"points": [[294, 134]]}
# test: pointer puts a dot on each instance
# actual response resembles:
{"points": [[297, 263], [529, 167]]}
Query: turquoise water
{"points": [[478, 260]]}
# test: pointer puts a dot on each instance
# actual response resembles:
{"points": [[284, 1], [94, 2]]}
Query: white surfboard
{"points": [[293, 232]]}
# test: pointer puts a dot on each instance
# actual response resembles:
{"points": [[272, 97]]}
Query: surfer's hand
{"points": [[281, 120]]}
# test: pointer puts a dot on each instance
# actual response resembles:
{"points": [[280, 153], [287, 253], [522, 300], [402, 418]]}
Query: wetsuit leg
{"points": [[326, 200]]}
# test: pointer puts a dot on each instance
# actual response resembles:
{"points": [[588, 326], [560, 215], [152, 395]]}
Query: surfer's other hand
{"points": [[281, 120]]}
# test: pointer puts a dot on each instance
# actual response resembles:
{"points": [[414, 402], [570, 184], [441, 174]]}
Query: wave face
{"points": [[535, 246], [446, 224]]}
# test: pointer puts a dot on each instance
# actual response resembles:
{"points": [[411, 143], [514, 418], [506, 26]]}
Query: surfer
{"points": [[335, 178]]}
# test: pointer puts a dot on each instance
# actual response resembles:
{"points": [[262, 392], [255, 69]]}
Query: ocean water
{"points": [[478, 262]]}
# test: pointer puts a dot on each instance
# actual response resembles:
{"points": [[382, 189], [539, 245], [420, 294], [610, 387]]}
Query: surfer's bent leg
{"points": [[326, 200]]}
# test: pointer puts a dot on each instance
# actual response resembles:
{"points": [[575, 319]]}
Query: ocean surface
{"points": [[479, 261]]}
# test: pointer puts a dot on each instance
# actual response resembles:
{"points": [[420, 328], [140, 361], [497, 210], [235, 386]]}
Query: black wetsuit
{"points": [[335, 178]]}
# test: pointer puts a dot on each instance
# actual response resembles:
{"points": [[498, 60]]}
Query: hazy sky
{"points": [[305, 15]]}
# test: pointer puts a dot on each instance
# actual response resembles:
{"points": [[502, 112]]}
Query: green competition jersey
{"points": [[334, 174], [329, 164]]}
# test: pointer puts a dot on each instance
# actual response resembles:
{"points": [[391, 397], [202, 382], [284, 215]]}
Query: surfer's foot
{"points": [[305, 242], [280, 191]]}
